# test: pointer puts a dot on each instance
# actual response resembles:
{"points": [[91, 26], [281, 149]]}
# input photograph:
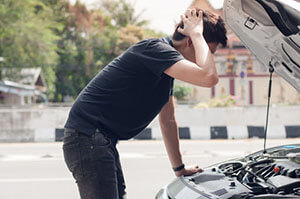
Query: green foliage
{"points": [[50, 78], [104, 45], [69, 42], [128, 36], [122, 13], [28, 38], [180, 92], [78, 55], [149, 33], [26, 34]]}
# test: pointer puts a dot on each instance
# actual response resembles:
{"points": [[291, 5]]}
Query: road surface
{"points": [[37, 170]]}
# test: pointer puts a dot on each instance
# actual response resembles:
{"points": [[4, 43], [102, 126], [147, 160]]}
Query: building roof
{"points": [[20, 89], [16, 85], [25, 76], [17, 88]]}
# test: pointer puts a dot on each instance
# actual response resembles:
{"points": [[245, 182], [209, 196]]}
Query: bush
{"points": [[180, 92], [224, 101]]}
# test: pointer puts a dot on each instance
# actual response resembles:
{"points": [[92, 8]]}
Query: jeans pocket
{"points": [[70, 141], [73, 160], [99, 140]]}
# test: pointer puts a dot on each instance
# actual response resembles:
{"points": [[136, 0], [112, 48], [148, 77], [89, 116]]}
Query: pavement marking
{"points": [[187, 154], [35, 180], [13, 158], [19, 158]]}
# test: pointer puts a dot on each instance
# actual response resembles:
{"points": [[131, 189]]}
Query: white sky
{"points": [[161, 14]]}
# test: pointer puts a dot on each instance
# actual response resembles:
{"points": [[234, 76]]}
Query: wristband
{"points": [[179, 168]]}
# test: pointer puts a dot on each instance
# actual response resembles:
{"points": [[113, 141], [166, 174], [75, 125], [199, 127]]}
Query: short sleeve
{"points": [[157, 56]]}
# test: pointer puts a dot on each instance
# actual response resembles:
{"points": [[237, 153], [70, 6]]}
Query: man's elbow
{"points": [[214, 80], [210, 81]]}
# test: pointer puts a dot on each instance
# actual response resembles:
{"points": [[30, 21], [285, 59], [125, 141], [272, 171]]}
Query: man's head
{"points": [[214, 32]]}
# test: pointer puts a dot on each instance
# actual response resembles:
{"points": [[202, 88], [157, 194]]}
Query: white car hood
{"points": [[270, 30]]}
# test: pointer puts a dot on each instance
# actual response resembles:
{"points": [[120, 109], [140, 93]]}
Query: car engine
{"points": [[274, 174]]}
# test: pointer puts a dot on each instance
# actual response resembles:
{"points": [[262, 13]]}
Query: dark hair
{"points": [[213, 28]]}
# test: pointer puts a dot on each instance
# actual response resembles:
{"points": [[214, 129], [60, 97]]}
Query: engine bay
{"points": [[275, 174]]}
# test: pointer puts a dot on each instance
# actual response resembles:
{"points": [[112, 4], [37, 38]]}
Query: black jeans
{"points": [[95, 164]]}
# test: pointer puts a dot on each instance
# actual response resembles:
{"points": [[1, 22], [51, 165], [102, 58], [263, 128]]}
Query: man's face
{"points": [[213, 47]]}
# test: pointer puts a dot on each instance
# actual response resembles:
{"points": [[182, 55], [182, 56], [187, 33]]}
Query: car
{"points": [[263, 175], [270, 29]]}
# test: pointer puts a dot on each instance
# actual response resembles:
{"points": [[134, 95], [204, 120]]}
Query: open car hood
{"points": [[270, 29]]}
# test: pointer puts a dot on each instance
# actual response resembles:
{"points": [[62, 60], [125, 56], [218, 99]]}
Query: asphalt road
{"points": [[37, 170]]}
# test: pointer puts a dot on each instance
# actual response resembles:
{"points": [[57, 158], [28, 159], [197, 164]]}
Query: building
{"points": [[241, 75], [26, 86]]}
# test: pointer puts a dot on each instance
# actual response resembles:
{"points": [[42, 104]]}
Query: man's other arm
{"points": [[169, 131]]}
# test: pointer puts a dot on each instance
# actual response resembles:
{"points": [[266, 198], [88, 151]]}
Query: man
{"points": [[127, 95]]}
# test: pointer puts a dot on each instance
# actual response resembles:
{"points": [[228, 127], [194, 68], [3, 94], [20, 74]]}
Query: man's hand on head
{"points": [[193, 23], [188, 171]]}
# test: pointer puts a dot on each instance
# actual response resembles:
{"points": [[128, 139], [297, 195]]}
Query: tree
{"points": [[128, 36], [70, 42], [79, 49], [27, 38], [93, 38], [26, 35], [123, 13]]}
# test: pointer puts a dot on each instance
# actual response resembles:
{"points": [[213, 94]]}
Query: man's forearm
{"points": [[204, 58], [171, 140]]}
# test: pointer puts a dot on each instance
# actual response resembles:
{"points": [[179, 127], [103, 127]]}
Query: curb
{"points": [[187, 133], [216, 132]]}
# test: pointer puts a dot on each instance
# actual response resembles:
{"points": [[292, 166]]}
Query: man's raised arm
{"points": [[202, 71]]}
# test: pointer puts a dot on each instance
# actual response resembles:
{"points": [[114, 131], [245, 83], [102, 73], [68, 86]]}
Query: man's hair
{"points": [[213, 29]]}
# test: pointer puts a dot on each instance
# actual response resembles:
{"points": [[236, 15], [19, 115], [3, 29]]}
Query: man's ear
{"points": [[189, 42]]}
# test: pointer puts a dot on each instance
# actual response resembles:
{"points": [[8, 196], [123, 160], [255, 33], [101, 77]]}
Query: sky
{"points": [[161, 14]]}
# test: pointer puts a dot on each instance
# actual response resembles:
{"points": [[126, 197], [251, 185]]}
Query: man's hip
{"points": [[94, 163]]}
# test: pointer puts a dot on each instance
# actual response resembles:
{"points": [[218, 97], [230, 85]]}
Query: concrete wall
{"points": [[39, 124], [31, 124]]}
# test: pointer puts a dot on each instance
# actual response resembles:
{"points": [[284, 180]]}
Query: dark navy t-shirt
{"points": [[128, 93]]}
